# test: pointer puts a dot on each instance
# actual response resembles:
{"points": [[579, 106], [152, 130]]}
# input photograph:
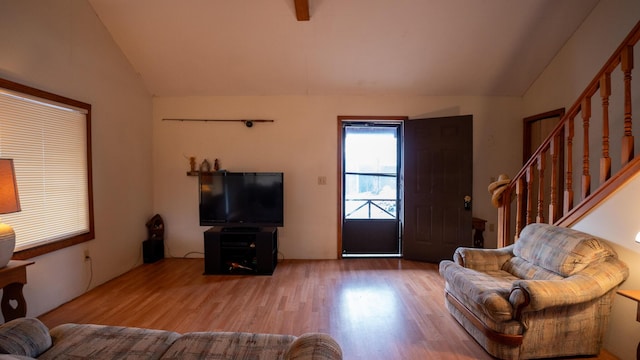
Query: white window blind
{"points": [[48, 145]]}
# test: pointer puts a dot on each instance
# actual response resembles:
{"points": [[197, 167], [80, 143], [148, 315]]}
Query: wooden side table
{"points": [[12, 279], [478, 226], [635, 296]]}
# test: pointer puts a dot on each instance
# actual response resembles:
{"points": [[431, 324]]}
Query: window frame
{"points": [[373, 123], [41, 249]]}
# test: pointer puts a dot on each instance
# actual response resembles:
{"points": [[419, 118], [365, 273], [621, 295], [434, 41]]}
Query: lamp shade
{"points": [[9, 200]]}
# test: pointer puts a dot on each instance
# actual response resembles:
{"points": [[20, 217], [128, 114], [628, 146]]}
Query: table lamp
{"points": [[9, 203]]}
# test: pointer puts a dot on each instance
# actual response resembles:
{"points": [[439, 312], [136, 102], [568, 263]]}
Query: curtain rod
{"points": [[247, 122], [206, 120]]}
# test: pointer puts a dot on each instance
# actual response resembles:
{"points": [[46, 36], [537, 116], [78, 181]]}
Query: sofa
{"points": [[547, 295], [28, 338]]}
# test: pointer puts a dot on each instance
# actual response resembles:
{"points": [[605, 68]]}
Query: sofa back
{"points": [[560, 250]]}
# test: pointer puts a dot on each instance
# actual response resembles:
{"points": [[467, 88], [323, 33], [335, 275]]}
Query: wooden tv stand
{"points": [[240, 250]]}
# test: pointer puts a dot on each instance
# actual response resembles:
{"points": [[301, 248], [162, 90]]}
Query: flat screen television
{"points": [[241, 199]]}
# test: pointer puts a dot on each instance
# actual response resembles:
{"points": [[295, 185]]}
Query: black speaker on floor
{"points": [[152, 251], [153, 248]]}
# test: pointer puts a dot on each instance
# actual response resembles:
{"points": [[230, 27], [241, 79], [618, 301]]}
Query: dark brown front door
{"points": [[437, 177]]}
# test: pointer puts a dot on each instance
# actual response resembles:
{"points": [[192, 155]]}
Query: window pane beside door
{"points": [[370, 172]]}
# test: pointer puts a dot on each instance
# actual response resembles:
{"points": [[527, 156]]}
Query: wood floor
{"points": [[375, 308]]}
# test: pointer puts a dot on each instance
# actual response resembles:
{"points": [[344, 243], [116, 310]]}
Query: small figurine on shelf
{"points": [[155, 227], [192, 163], [205, 166], [216, 165]]}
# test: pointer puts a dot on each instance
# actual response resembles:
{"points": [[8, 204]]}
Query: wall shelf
{"points": [[197, 172]]}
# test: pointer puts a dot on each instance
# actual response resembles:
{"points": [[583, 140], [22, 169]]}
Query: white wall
{"points": [[61, 46], [615, 220], [302, 143]]}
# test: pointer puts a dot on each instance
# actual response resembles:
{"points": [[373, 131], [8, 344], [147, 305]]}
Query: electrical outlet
{"points": [[322, 180]]}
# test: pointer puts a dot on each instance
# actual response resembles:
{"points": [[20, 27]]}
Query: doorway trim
{"points": [[346, 118], [527, 124]]}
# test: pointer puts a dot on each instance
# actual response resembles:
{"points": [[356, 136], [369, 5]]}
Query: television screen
{"points": [[241, 199]]}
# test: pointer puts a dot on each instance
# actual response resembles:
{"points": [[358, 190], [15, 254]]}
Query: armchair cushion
{"points": [[485, 292], [561, 250], [588, 285], [482, 259], [523, 269]]}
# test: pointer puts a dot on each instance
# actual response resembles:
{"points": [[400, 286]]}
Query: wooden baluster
{"points": [[504, 218], [519, 207], [541, 165], [529, 175], [568, 190], [626, 60], [605, 160], [553, 206], [586, 177]]}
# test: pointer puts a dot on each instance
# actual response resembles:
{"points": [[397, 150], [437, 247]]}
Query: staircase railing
{"points": [[555, 185]]}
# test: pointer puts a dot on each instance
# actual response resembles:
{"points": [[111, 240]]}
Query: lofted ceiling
{"points": [[347, 47]]}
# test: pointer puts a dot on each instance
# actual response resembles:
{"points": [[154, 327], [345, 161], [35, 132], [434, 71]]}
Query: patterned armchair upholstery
{"points": [[548, 295]]}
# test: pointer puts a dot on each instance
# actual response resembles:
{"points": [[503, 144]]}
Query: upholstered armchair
{"points": [[548, 295]]}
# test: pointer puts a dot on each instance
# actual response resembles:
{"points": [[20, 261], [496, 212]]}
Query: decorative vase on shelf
{"points": [[205, 166], [9, 203]]}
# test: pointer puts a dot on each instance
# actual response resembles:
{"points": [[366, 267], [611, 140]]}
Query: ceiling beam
{"points": [[302, 10]]}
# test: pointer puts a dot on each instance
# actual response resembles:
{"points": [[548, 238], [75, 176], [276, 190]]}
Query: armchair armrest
{"points": [[482, 259], [591, 283]]}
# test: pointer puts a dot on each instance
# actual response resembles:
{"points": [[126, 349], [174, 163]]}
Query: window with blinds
{"points": [[47, 136]]}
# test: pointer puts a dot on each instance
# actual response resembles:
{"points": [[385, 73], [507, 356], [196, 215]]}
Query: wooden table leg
{"points": [[13, 292]]}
